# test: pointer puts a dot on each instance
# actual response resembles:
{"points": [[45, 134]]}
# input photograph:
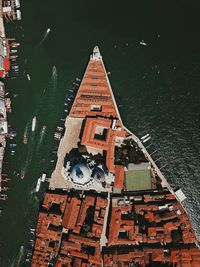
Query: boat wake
{"points": [[25, 136], [41, 137], [29, 156], [42, 134], [46, 34], [21, 253], [18, 258], [54, 77]]}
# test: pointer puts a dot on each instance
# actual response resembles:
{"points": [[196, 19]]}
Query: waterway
{"points": [[156, 87]]}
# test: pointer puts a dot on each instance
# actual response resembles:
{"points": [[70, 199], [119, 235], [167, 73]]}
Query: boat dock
{"points": [[3, 126], [5, 102]]}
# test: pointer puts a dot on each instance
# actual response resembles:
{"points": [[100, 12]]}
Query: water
{"points": [[43, 38], [156, 87]]}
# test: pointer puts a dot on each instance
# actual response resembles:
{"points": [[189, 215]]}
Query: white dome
{"points": [[80, 174]]}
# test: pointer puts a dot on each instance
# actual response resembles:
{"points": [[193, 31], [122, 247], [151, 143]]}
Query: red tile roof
{"points": [[119, 177], [94, 90]]}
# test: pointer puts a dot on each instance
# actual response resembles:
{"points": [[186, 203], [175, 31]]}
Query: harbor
{"points": [[5, 102]]}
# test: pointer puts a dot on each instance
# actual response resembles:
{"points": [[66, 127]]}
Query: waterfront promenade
{"points": [[3, 108]]}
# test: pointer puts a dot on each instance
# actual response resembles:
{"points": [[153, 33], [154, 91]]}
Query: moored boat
{"points": [[38, 184], [22, 174], [25, 139], [33, 124]]}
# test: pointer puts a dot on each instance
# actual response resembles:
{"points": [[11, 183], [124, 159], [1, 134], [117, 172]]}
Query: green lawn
{"points": [[137, 180]]}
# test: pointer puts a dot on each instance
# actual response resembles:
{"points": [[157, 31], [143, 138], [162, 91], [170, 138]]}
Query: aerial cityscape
{"points": [[98, 169]]}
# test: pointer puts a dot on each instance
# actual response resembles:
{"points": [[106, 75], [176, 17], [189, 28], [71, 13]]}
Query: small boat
{"points": [[22, 174], [4, 188], [54, 71], [33, 124], [12, 153], [145, 136], [15, 44], [13, 145], [146, 139], [28, 77], [143, 43], [38, 185], [57, 136], [3, 196], [48, 30], [13, 56], [43, 129], [15, 95], [44, 177], [58, 128], [25, 139]]}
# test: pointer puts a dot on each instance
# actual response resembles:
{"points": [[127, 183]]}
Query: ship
{"points": [[143, 42], [43, 177], [38, 184], [28, 77], [133, 217], [43, 129], [48, 30], [34, 121], [22, 174], [54, 71], [3, 197], [25, 139]]}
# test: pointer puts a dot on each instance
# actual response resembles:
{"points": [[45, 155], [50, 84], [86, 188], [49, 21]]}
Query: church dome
{"points": [[99, 174], [80, 174]]}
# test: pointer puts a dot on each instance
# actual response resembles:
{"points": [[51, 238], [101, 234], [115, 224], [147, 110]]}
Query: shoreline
{"points": [[8, 11]]}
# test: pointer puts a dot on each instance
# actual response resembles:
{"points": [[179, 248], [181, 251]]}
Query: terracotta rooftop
{"points": [[94, 96], [119, 177], [75, 232], [101, 134]]}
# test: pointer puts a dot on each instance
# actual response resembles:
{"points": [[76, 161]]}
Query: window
{"points": [[96, 108]]}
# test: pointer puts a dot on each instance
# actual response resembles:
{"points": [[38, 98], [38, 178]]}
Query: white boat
{"points": [[143, 43], [145, 136], [48, 30], [43, 177], [54, 71], [43, 129], [147, 139], [38, 185], [33, 124], [28, 77]]}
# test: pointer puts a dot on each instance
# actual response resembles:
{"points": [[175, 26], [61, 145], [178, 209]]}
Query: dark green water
{"points": [[156, 87]]}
